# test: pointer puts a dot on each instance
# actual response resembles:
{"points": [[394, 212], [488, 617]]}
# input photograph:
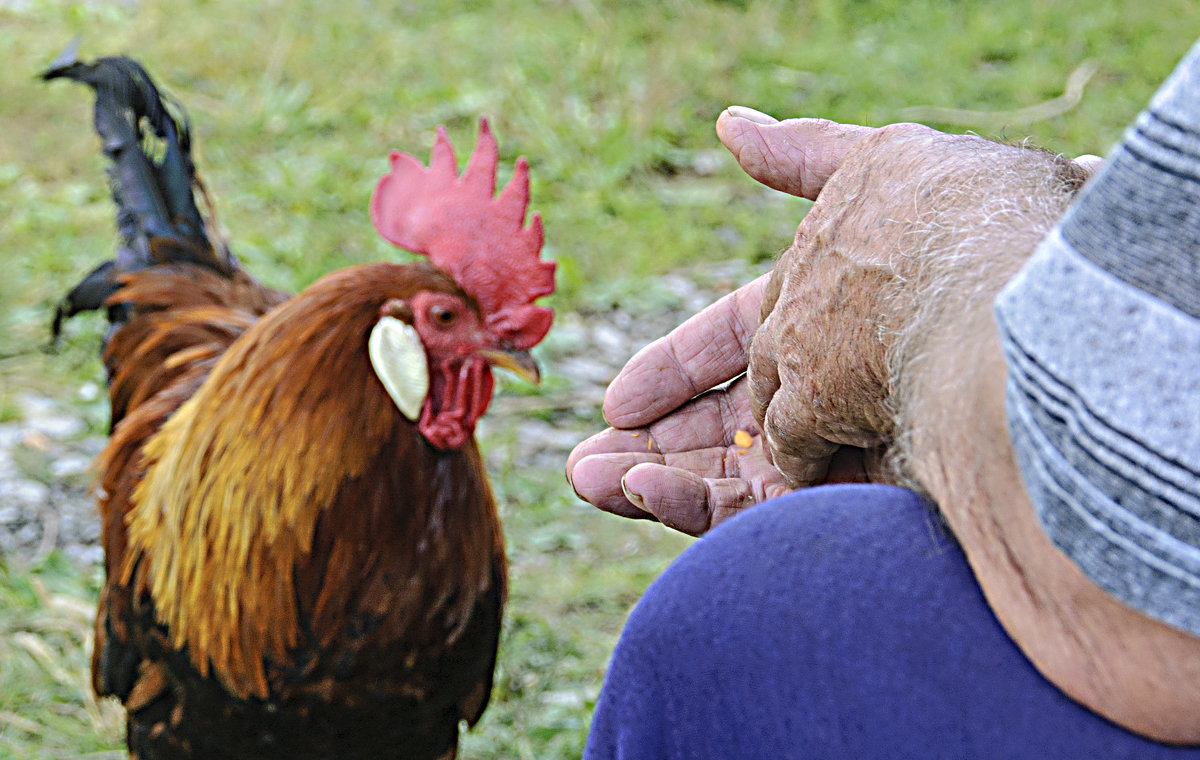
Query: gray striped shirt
{"points": [[1101, 332]]}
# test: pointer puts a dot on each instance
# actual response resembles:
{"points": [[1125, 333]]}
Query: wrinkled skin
{"points": [[694, 475], [827, 395], [818, 377], [671, 457], [817, 384]]}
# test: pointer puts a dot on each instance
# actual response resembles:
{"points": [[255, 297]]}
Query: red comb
{"points": [[477, 239]]}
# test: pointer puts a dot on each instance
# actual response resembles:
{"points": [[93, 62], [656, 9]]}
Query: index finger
{"points": [[705, 351]]}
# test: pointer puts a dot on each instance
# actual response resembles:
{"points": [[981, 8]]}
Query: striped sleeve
{"points": [[1101, 334]]}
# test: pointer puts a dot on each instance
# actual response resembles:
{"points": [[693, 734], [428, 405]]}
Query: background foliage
{"points": [[296, 104]]}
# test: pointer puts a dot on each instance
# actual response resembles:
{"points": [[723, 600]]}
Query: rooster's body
{"points": [[303, 555]]}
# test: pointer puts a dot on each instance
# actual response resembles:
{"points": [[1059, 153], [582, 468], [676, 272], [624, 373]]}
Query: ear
{"points": [[398, 357]]}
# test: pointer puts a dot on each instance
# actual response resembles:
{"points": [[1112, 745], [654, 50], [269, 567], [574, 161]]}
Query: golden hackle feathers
{"points": [[203, 506], [239, 477]]}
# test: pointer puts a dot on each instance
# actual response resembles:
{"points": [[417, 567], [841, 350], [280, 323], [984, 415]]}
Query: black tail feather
{"points": [[157, 216], [90, 294]]}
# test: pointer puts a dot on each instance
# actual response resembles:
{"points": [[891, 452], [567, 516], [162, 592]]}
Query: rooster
{"points": [[303, 555]]}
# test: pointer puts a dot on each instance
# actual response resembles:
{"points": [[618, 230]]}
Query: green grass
{"points": [[295, 106], [46, 704]]}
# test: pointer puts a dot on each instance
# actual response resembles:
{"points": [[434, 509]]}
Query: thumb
{"points": [[794, 156]]}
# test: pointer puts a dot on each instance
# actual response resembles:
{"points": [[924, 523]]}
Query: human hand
{"points": [[674, 452], [677, 406], [818, 375], [853, 296]]}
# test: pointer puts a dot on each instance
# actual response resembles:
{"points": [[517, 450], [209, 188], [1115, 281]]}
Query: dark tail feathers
{"points": [[157, 216]]}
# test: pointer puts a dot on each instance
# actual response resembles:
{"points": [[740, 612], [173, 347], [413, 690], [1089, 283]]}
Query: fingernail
{"points": [[634, 499], [749, 114]]}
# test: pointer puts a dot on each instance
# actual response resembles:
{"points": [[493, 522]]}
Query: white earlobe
{"points": [[399, 360]]}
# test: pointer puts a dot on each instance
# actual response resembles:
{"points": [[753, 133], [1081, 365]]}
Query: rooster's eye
{"points": [[442, 316]]}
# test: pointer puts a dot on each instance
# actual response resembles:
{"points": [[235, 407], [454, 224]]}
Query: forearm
{"points": [[1136, 671], [949, 379], [967, 241]]}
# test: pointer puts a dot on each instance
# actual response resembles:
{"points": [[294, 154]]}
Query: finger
{"points": [[707, 436], [685, 501], [795, 156], [799, 453], [711, 420], [610, 441], [1090, 162], [597, 477], [597, 480], [795, 450], [703, 352]]}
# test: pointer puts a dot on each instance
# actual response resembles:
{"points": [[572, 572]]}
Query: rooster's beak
{"points": [[520, 363]]}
